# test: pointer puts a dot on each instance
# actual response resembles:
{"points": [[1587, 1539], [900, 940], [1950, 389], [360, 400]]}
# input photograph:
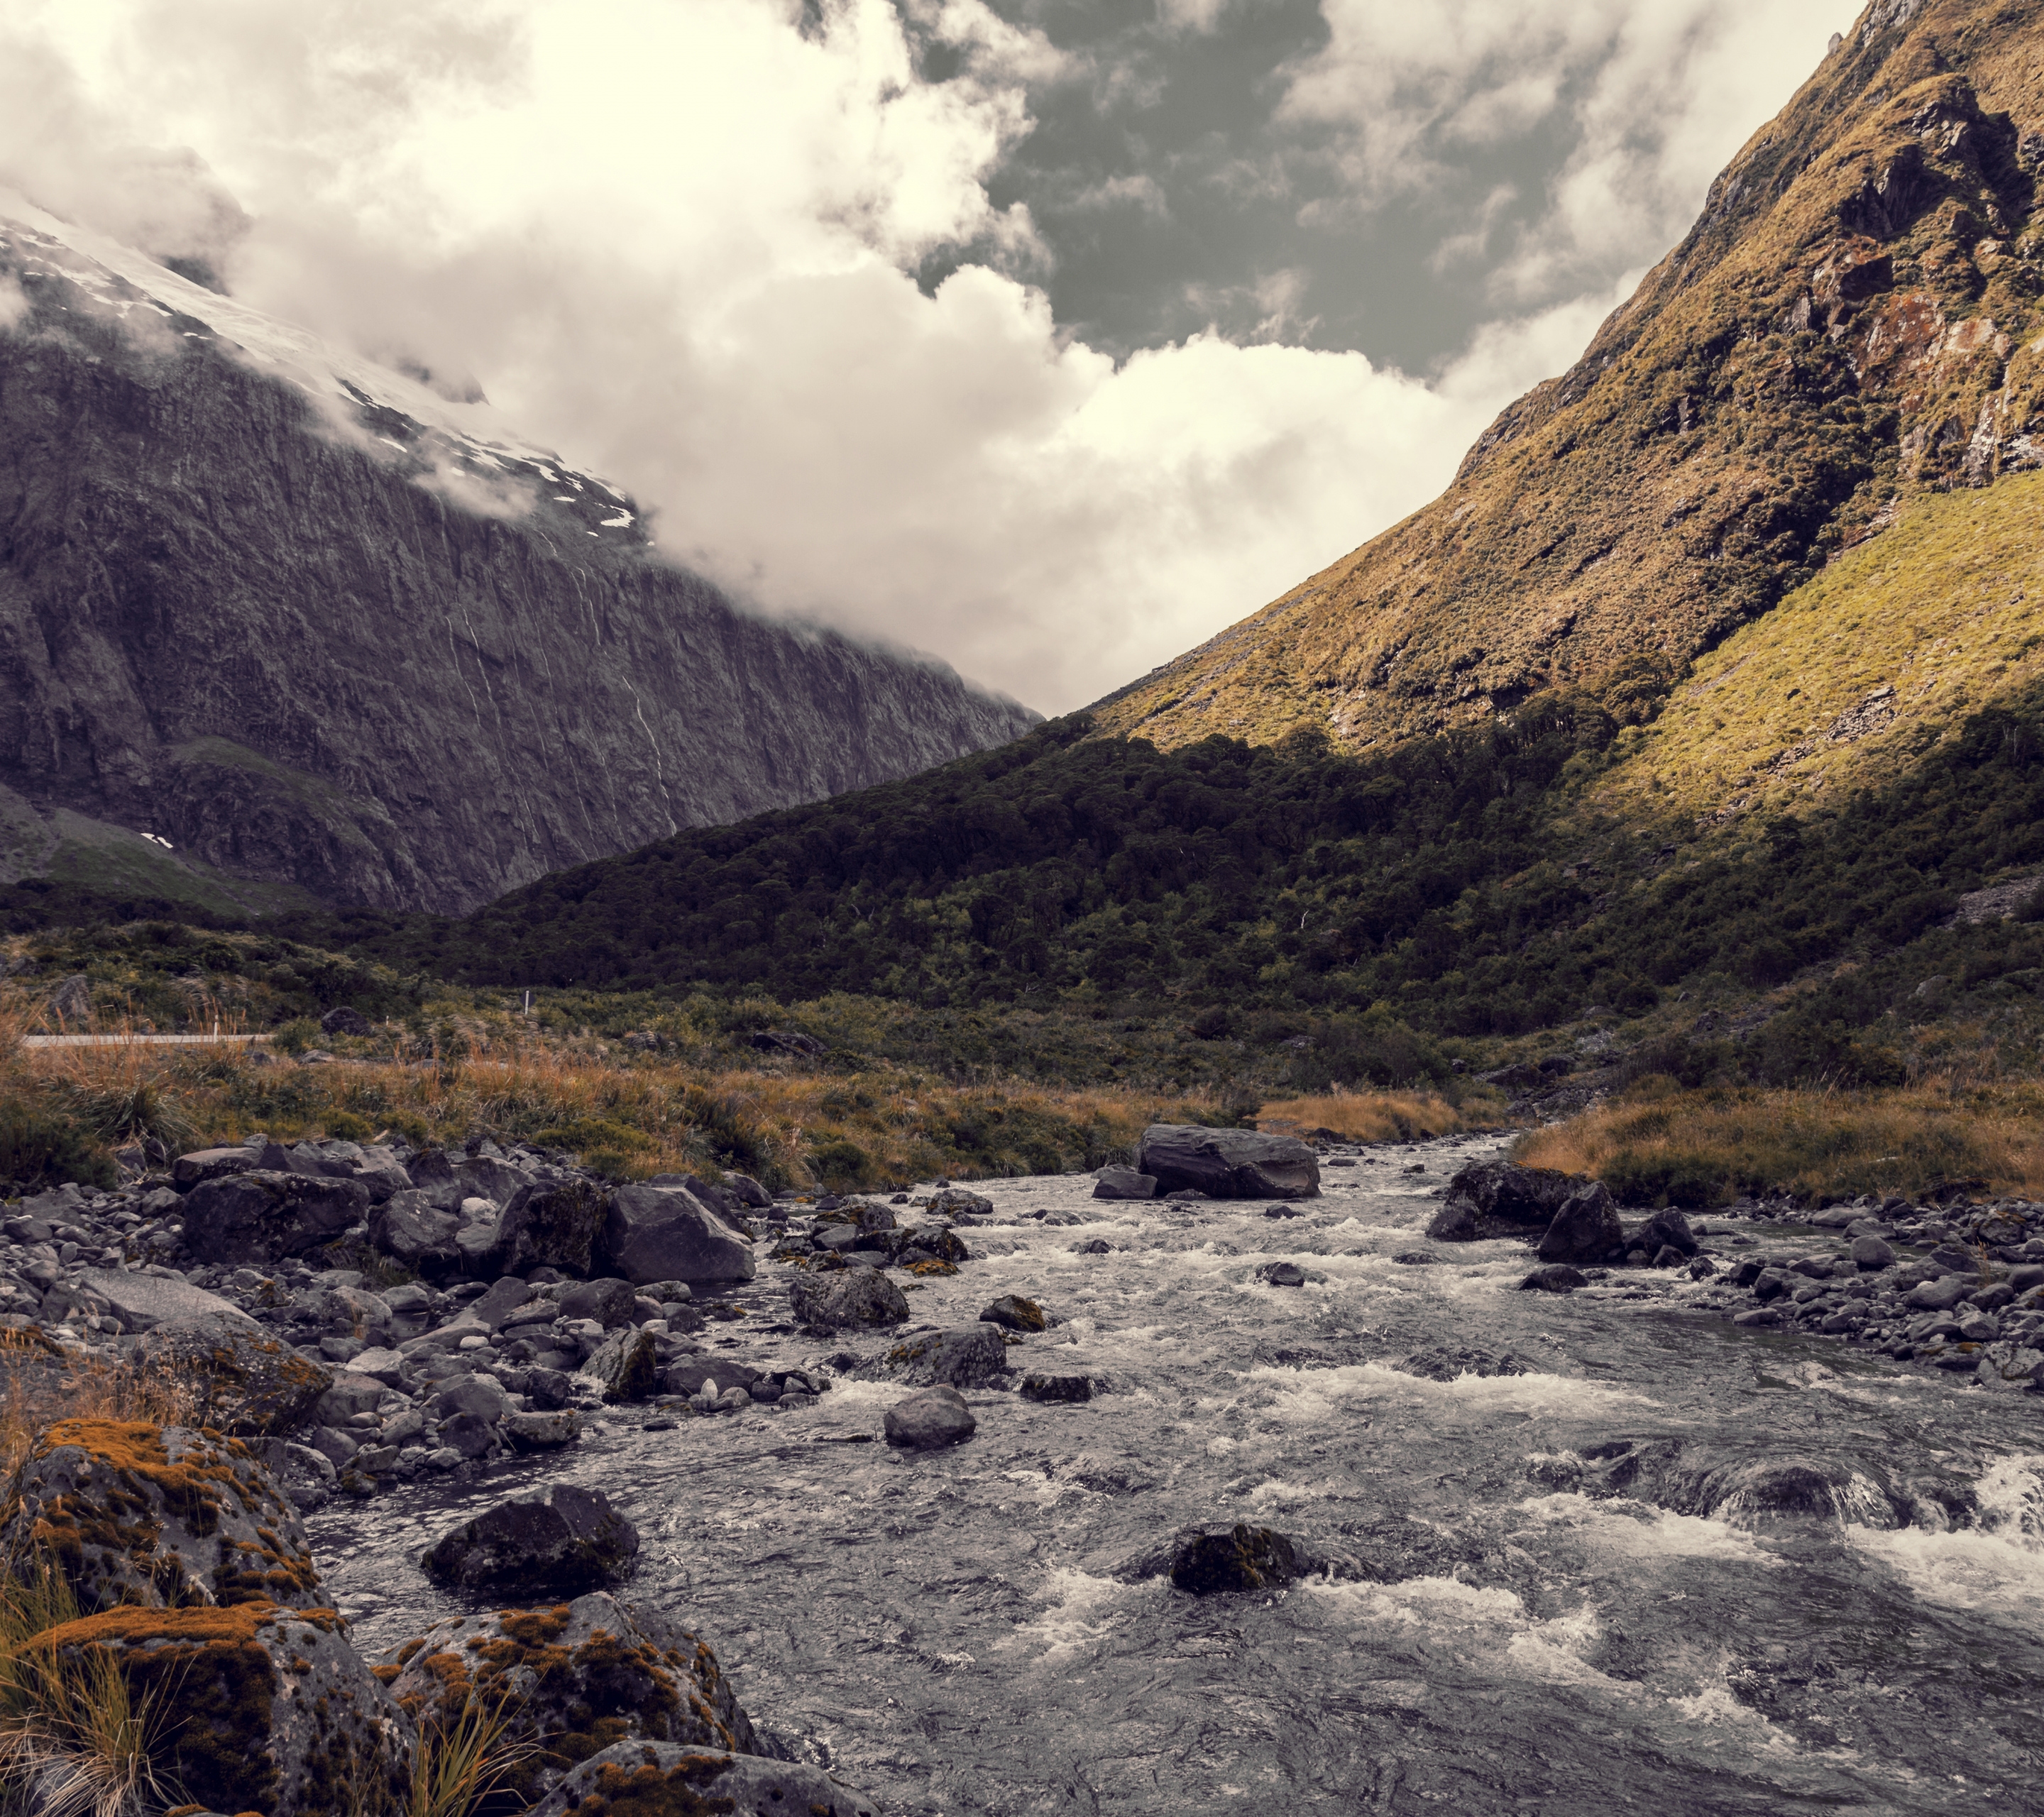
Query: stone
{"points": [[628, 1364], [660, 1777], [239, 1377], [850, 1297], [1870, 1255], [499, 1301], [1941, 1295], [159, 1516], [381, 1365], [956, 1202], [551, 1225], [1457, 1221], [748, 1191], [1016, 1313], [610, 1301], [1667, 1256], [483, 1395], [1230, 1163], [274, 1711], [266, 1217], [969, 1356], [142, 1302], [409, 1227], [1123, 1183], [1556, 1278], [542, 1431], [1585, 1226], [1502, 1193], [574, 1678], [2007, 1364], [1053, 1389], [560, 1543], [350, 1393], [1667, 1229], [1283, 1274], [1449, 1362], [1759, 1316], [342, 1020], [188, 1170], [1215, 1561], [930, 1420], [666, 1233]]}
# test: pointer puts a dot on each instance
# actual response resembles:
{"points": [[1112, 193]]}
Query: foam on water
{"points": [[1310, 1396], [1636, 1531], [1996, 1566], [1078, 1610]]}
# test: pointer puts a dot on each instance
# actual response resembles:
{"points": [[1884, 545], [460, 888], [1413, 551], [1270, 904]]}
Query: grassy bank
{"points": [[1658, 1145]]}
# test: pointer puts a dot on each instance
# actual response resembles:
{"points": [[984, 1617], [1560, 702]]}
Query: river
{"points": [[945, 1631]]}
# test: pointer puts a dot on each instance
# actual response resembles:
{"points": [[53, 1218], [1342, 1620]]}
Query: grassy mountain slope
{"points": [[1852, 322]]}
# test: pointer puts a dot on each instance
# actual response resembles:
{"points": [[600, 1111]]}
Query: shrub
{"points": [[844, 1167], [44, 1148]]}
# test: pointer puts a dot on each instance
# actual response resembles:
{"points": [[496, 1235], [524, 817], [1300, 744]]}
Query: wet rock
{"points": [[1668, 1256], [698, 1375], [1556, 1278], [1448, 1362], [971, 1356], [1500, 1198], [241, 1379], [542, 1431], [956, 1202], [666, 1233], [1701, 1268], [2011, 1365], [1052, 1388], [1283, 1273], [159, 1517], [1230, 1163], [142, 1302], [1667, 1229], [853, 1297], [575, 1678], [482, 1396], [627, 1364], [1212, 1561], [1585, 1228], [1457, 1221], [550, 1224], [935, 1242], [930, 1420], [274, 1711], [1016, 1313], [1123, 1183], [266, 1217], [1870, 1255], [561, 1543], [661, 1777], [1760, 1316]]}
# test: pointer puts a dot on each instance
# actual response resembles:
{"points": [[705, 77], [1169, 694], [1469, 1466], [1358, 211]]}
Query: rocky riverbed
{"points": [[1565, 1549]]}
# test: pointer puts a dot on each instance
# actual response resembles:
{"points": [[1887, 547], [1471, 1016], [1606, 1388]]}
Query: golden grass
{"points": [[1380, 1116], [40, 1383], [1662, 1145]]}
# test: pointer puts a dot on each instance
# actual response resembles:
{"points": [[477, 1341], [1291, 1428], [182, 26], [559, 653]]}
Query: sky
{"points": [[1048, 336]]}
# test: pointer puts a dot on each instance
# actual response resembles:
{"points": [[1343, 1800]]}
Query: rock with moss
{"points": [[263, 1709], [665, 1780], [576, 1678], [239, 1378], [1210, 1561], [563, 1541], [550, 1224], [265, 1217], [628, 1364], [1230, 1163], [159, 1516], [1016, 1313], [853, 1297], [969, 1356]]}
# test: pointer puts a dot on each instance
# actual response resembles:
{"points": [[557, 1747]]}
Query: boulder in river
{"points": [[930, 1420], [1449, 1362], [1492, 1199], [661, 1777], [1052, 1388], [1123, 1183], [265, 1217], [574, 1678], [666, 1233], [271, 1709], [853, 1297], [1230, 1163], [1585, 1228], [1016, 1313], [628, 1364], [1667, 1229], [241, 1378], [970, 1356], [1554, 1277], [1207, 1560], [160, 1517], [560, 1543]]}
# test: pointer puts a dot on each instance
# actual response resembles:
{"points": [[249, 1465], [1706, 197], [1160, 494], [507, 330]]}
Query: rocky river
{"points": [[1675, 1564]]}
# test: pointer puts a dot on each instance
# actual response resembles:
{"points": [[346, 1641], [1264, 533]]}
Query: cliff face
{"points": [[317, 627], [1854, 322]]}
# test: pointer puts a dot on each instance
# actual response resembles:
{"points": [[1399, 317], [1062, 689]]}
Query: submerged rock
{"points": [[559, 1543], [1449, 1362], [1555, 1277], [1052, 1388], [663, 1779], [1230, 1163]]}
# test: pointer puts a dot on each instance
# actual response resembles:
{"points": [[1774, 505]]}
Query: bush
{"points": [[1372, 1049], [844, 1167], [43, 1148], [296, 1036], [1690, 1181]]}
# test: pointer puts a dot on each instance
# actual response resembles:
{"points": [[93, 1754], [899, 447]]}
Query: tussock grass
{"points": [[1380, 1116], [1659, 1145], [40, 1383]]}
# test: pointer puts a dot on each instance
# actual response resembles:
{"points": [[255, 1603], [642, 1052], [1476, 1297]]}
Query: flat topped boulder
{"points": [[264, 1217], [142, 1302], [1229, 1163], [668, 1233], [852, 1296], [560, 1543]]}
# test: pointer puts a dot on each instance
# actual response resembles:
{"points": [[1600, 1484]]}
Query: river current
{"points": [[946, 1631]]}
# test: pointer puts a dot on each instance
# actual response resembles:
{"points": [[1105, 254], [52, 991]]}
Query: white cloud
{"points": [[673, 240]]}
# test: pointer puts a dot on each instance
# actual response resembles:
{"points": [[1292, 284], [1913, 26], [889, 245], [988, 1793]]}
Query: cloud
{"points": [[678, 243]]}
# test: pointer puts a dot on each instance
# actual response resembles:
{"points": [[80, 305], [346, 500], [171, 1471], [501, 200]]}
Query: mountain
{"points": [[279, 626], [1850, 329]]}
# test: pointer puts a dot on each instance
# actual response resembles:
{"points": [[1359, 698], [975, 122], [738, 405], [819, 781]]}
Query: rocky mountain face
{"points": [[279, 623], [1853, 324]]}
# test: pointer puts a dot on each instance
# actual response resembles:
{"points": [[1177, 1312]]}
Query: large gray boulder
{"points": [[265, 1217], [561, 1543], [1230, 1163], [1585, 1227], [409, 1227], [1491, 1199], [658, 1776], [848, 1297], [550, 1224], [1113, 1183], [667, 1233], [969, 1356], [142, 1302], [239, 1377], [930, 1420]]}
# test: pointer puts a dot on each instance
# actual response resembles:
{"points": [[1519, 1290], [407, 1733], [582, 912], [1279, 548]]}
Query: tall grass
{"points": [[1381, 1116], [462, 1761], [1659, 1145]]}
